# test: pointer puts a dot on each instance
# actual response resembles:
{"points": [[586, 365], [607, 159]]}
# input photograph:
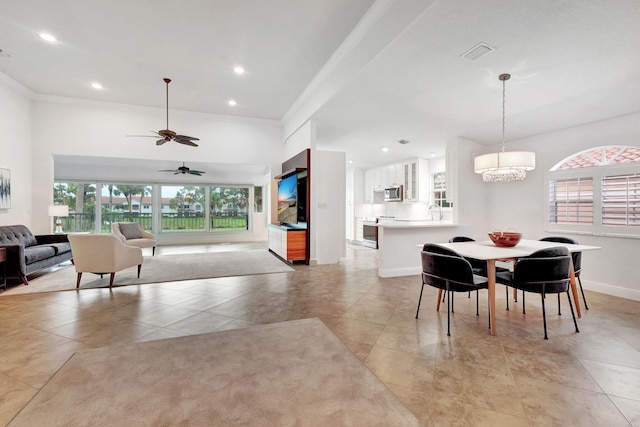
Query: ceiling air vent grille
{"points": [[477, 52], [4, 54], [403, 141]]}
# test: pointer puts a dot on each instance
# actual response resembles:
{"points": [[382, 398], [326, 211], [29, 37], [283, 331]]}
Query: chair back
{"points": [[455, 239], [575, 256], [548, 267], [441, 265]]}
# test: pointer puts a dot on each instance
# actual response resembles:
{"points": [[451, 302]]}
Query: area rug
{"points": [[163, 268], [283, 374]]}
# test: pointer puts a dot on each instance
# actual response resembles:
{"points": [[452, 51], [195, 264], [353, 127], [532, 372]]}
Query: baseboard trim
{"points": [[616, 291], [397, 272]]}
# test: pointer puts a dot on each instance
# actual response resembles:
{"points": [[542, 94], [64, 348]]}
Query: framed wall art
{"points": [[5, 188]]}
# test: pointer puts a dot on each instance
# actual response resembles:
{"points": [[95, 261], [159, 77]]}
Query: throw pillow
{"points": [[131, 230]]}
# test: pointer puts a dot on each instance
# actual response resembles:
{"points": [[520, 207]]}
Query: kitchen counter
{"points": [[414, 223], [400, 243]]}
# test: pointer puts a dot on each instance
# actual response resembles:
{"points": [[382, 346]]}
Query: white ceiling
{"points": [[369, 72]]}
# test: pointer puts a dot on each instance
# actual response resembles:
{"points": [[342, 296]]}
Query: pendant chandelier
{"points": [[504, 165]]}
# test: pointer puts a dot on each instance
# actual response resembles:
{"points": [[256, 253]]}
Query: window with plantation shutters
{"points": [[621, 200], [571, 201], [596, 191]]}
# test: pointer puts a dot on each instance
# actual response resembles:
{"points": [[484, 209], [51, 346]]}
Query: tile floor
{"points": [[471, 378]]}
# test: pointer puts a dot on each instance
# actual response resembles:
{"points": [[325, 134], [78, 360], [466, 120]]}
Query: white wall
{"points": [[610, 270], [328, 217], [15, 150]]}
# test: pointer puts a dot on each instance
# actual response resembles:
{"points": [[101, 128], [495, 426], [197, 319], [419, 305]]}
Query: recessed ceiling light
{"points": [[350, 161], [48, 37], [238, 70], [385, 149], [96, 85], [233, 102], [432, 154]]}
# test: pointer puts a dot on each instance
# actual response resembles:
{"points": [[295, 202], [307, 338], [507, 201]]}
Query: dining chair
{"points": [[479, 266], [444, 269], [544, 272], [576, 257]]}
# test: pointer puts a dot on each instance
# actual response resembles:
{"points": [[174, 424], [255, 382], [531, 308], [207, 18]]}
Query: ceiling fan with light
{"points": [[183, 170], [167, 134]]}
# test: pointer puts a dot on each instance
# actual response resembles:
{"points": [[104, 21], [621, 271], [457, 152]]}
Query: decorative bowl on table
{"points": [[505, 239]]}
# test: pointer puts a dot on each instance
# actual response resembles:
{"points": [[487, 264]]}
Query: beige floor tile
{"points": [[357, 330], [14, 395], [400, 368], [554, 404], [616, 380], [629, 408], [200, 323]]}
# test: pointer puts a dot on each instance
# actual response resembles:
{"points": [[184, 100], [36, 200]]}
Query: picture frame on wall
{"points": [[5, 188]]}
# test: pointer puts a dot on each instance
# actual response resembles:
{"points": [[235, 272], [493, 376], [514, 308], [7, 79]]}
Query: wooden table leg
{"points": [[439, 299], [574, 289], [491, 275]]}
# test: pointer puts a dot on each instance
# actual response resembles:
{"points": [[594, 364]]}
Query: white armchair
{"points": [[132, 234], [102, 254]]}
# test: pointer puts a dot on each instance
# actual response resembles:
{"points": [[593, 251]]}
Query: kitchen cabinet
{"points": [[416, 180], [358, 233], [374, 179], [395, 175]]}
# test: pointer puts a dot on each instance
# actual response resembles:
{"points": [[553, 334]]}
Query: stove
{"points": [[370, 232]]}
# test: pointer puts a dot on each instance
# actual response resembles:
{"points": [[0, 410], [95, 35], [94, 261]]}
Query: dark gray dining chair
{"points": [[576, 257], [544, 272], [479, 266], [444, 269]]}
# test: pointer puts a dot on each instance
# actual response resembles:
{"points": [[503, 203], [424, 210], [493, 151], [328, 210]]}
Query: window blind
{"points": [[571, 201], [621, 200]]}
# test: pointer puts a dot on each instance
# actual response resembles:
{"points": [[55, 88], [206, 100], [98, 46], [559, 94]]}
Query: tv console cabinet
{"points": [[287, 242]]}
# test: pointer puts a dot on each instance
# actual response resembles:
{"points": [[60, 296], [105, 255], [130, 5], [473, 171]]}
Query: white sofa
{"points": [[102, 254]]}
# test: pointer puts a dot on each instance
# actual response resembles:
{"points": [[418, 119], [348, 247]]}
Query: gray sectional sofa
{"points": [[27, 252]]}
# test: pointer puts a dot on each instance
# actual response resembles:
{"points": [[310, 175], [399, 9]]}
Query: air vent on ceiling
{"points": [[476, 52], [4, 54], [403, 141]]}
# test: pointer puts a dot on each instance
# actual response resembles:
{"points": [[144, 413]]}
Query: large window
{"points": [[126, 203], [178, 209], [182, 209], [81, 199], [228, 208], [596, 191]]}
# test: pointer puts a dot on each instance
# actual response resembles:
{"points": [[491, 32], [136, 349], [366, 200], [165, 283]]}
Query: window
{"points": [[181, 214], [228, 208], [81, 199], [257, 199], [121, 203], [621, 200], [440, 190], [571, 201], [596, 191]]}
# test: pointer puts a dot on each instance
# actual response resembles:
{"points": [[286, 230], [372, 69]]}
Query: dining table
{"points": [[489, 252]]}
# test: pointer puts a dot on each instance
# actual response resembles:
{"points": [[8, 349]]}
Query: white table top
{"points": [[486, 250]]}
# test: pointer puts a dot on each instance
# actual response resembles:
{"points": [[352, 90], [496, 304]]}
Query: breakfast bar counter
{"points": [[400, 242]]}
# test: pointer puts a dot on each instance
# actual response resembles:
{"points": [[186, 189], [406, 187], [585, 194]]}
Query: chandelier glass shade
{"points": [[504, 165]]}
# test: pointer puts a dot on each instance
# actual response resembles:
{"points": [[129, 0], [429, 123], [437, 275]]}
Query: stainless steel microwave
{"points": [[393, 194]]}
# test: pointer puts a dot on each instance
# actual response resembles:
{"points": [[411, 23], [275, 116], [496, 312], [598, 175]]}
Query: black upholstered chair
{"points": [[444, 269], [576, 258], [479, 266], [544, 272]]}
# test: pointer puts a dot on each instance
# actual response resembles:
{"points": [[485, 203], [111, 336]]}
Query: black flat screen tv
{"points": [[288, 200]]}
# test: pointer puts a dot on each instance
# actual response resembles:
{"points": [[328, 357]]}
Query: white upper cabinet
{"points": [[416, 180], [394, 175]]}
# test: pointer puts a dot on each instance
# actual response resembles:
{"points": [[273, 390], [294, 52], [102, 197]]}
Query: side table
{"points": [[3, 258]]}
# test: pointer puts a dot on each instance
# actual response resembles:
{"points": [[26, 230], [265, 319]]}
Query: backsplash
{"points": [[415, 210]]}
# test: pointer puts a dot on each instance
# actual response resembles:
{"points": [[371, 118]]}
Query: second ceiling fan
{"points": [[183, 170], [167, 135]]}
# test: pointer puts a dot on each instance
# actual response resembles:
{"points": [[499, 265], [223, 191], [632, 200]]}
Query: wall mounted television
{"points": [[288, 200]]}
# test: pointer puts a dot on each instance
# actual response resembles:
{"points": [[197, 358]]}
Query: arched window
{"points": [[596, 191]]}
